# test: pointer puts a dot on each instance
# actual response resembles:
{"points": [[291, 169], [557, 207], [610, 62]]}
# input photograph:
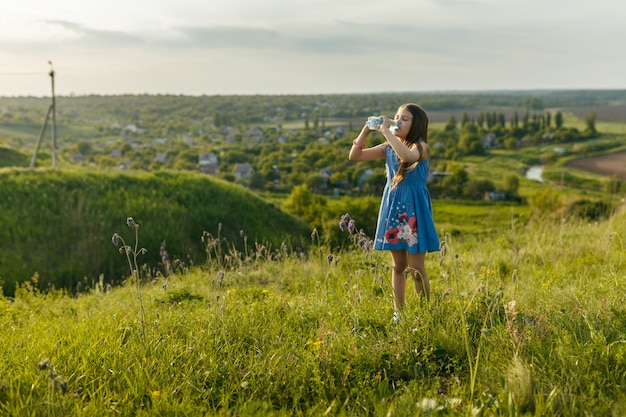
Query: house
{"points": [[208, 163], [438, 175], [243, 171], [326, 172], [495, 195], [489, 141], [125, 165]]}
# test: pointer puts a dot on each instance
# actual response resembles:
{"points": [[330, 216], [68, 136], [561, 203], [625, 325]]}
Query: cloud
{"points": [[231, 37], [94, 37]]}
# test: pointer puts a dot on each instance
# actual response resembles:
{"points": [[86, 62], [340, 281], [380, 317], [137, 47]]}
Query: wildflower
{"points": [[131, 223], [345, 219], [330, 258], [156, 394], [351, 226], [115, 239]]}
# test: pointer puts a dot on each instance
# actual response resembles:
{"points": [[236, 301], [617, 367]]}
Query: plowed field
{"points": [[613, 164]]}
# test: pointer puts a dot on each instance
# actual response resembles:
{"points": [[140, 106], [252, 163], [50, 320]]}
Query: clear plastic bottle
{"points": [[375, 122]]}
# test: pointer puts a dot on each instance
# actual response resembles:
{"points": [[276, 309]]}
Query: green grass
{"points": [[530, 320], [571, 120], [477, 217], [58, 223]]}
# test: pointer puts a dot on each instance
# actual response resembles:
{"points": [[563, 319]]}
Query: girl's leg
{"points": [[416, 263], [398, 279]]}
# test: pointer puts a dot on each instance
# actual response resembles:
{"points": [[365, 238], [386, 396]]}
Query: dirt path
{"points": [[613, 164]]}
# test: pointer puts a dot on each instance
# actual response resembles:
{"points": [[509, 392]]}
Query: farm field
{"points": [[611, 164]]}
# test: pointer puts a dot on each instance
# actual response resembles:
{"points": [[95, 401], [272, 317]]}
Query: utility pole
{"points": [[51, 110]]}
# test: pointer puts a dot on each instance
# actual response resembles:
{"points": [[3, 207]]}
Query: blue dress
{"points": [[405, 218]]}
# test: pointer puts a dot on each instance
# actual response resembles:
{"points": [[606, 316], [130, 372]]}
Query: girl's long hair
{"points": [[417, 133]]}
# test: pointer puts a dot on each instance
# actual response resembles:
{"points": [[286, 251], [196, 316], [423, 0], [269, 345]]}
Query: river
{"points": [[535, 173]]}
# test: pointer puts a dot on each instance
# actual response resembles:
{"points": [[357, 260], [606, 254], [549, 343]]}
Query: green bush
{"points": [[589, 210]]}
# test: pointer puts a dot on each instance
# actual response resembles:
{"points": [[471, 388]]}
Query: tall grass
{"points": [[529, 321]]}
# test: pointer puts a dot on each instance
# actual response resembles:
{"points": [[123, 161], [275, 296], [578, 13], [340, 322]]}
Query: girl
{"points": [[405, 222]]}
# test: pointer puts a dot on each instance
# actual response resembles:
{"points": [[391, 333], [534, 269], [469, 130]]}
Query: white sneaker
{"points": [[396, 317]]}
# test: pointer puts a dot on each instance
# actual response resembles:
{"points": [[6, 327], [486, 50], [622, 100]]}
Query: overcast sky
{"points": [[309, 46]]}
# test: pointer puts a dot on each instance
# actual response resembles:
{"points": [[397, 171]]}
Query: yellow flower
{"points": [[156, 394]]}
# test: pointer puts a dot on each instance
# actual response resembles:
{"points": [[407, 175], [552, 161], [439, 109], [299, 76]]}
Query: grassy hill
{"points": [[529, 321], [10, 157], [59, 224]]}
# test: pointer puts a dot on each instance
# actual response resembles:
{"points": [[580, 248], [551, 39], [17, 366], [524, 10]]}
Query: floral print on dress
{"points": [[404, 231]]}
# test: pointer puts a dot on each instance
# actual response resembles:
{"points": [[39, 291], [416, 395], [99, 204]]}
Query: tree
{"points": [[317, 181], [451, 125], [470, 144], [590, 121], [558, 119], [511, 184], [84, 147], [305, 204], [454, 184], [465, 120]]}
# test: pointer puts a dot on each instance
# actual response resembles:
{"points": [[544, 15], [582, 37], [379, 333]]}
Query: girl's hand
{"points": [[386, 123]]}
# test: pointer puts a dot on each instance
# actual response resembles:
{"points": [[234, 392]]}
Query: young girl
{"points": [[405, 221]]}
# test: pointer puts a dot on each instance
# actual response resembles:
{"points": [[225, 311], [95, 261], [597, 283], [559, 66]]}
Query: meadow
{"points": [[526, 316], [527, 319]]}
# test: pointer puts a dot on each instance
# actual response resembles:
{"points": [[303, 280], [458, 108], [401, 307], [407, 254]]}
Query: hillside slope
{"points": [[59, 224]]}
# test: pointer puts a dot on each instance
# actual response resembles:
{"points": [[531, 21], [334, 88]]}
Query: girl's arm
{"points": [[412, 153], [360, 151]]}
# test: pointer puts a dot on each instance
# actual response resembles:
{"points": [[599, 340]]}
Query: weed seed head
{"points": [[131, 223], [163, 252], [43, 365], [115, 239]]}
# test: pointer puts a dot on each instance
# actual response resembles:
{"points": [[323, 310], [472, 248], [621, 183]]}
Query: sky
{"points": [[243, 47]]}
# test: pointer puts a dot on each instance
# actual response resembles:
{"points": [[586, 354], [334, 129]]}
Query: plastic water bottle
{"points": [[375, 122]]}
